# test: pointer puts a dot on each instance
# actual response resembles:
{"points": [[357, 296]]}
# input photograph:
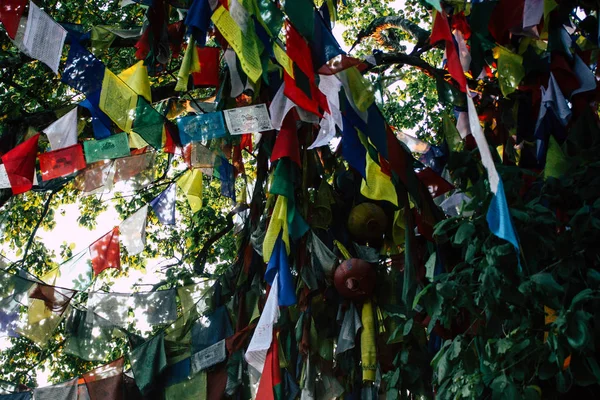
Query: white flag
{"points": [[44, 38], [133, 231], [263, 334], [63, 132]]}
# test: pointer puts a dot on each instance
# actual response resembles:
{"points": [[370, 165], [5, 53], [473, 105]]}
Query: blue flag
{"points": [[352, 149], [279, 263], [498, 219], [164, 205]]}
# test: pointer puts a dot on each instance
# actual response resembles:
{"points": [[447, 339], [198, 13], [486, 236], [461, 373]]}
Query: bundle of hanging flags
{"points": [[265, 328]]}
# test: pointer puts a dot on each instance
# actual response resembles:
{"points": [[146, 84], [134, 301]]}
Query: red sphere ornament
{"points": [[355, 279]]}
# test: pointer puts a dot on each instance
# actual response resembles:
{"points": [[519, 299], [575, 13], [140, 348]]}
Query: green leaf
{"points": [[577, 330], [430, 266], [547, 282], [584, 295], [464, 233], [504, 388], [407, 327]]}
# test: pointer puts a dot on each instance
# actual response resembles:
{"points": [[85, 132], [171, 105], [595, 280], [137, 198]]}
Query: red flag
{"points": [[436, 184], [286, 144], [106, 252], [270, 379], [441, 31], [302, 88], [61, 162], [20, 165], [10, 15], [209, 67]]}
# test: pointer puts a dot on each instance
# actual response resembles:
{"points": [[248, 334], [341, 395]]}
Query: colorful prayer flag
{"points": [[106, 252], [63, 132], [20, 165], [62, 162]]}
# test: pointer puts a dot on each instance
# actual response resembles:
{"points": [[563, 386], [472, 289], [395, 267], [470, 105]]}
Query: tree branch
{"points": [[406, 59], [382, 23]]}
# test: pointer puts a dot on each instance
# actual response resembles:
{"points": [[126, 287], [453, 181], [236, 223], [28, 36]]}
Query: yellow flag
{"points": [[118, 101], [37, 309], [510, 69], [362, 92], [278, 223], [136, 77], [191, 184], [283, 59], [368, 351], [136, 141], [244, 43], [556, 161], [190, 63], [378, 186]]}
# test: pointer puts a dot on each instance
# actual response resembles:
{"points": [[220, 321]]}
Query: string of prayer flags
{"points": [[498, 215], [201, 127], [191, 184], [114, 146], [105, 252], [62, 162], [278, 266], [118, 101], [136, 77], [441, 31], [10, 15], [250, 119], [256, 354], [164, 205], [63, 132], [44, 38], [244, 43], [133, 231], [20, 165]]}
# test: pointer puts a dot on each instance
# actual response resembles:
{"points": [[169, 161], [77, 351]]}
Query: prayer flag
{"points": [[256, 354], [190, 64], [436, 184], [114, 146], [191, 184], [353, 150], [106, 252], [96, 177], [250, 119], [211, 329], [127, 168], [83, 71], [351, 324], [62, 162], [209, 67], [118, 101], [278, 266], [270, 386], [106, 381], [10, 15], [133, 231], [20, 165], [368, 350], [136, 77], [277, 224], [44, 38], [301, 14], [377, 185], [286, 143], [63, 391], [198, 20], [164, 205], [148, 361], [441, 31], [244, 43], [148, 123], [324, 46], [63, 132], [498, 215], [201, 127]]}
